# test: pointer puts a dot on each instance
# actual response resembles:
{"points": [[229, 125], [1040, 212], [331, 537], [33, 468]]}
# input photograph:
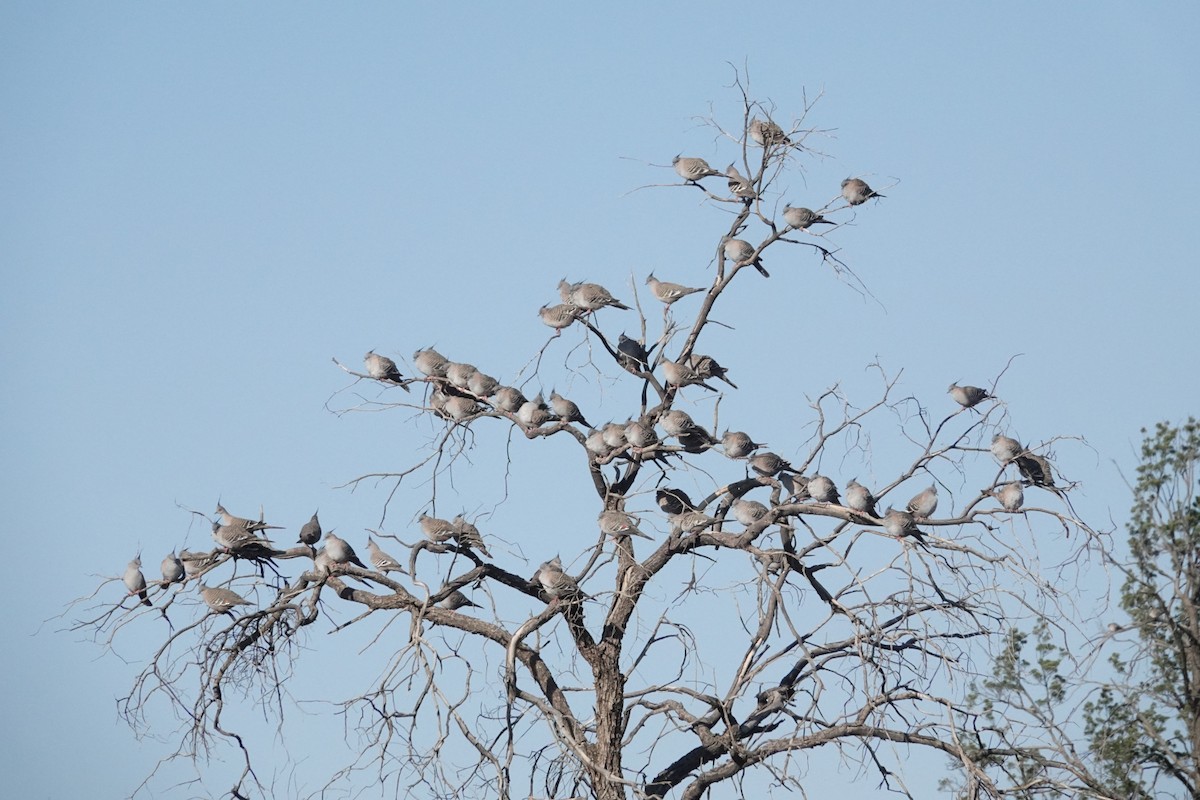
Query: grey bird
{"points": [[766, 132], [556, 583], [431, 363], [221, 600], [566, 410], [707, 367], [859, 498], [822, 489], [692, 169], [640, 434], [673, 501], [565, 288], [434, 528], [534, 413], [691, 521], [509, 399], [238, 539], [459, 374], [456, 600], [467, 535], [558, 317], [382, 368], [172, 569], [310, 532], [632, 354], [748, 512], [738, 444], [967, 396], [481, 385], [460, 409], [593, 297], [1035, 469], [1011, 496], [340, 551], [381, 560], [802, 218], [679, 375], [901, 524], [739, 185], [195, 563], [252, 525], [596, 445], [135, 581], [677, 422], [924, 503], [741, 252], [617, 523], [796, 486], [769, 464], [667, 292], [614, 435], [856, 192], [1005, 448], [697, 441]]}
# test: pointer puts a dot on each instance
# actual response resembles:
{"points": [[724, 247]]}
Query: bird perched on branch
{"points": [[667, 292], [459, 374], [557, 584], [739, 185], [707, 367], [565, 409], [738, 444], [766, 132], [310, 532], [381, 560], [632, 354], [222, 600], [748, 512], [680, 424], [673, 501], [859, 498], [135, 581], [558, 317], [692, 169], [769, 464], [1011, 496], [252, 525], [382, 368], [691, 521], [901, 524], [509, 399], [467, 535], [822, 489], [856, 191], [456, 600], [172, 569], [1035, 469], [430, 363], [1005, 448], [481, 385], [617, 523], [679, 375], [802, 218], [534, 413], [741, 252], [593, 297], [967, 396], [339, 551], [434, 528], [924, 503]]}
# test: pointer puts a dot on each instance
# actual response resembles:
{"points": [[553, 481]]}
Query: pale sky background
{"points": [[204, 203]]}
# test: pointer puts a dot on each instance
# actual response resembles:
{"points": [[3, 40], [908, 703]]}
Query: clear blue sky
{"points": [[204, 203]]}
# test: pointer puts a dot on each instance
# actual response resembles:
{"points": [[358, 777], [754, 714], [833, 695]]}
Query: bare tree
{"points": [[763, 627]]}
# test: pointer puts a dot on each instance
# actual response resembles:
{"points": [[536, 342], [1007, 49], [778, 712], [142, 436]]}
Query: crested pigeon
{"points": [[856, 191], [859, 498], [430, 363], [738, 444], [135, 581], [382, 368], [617, 523], [692, 169], [802, 218], [967, 396], [668, 292], [222, 600], [381, 560], [924, 503]]}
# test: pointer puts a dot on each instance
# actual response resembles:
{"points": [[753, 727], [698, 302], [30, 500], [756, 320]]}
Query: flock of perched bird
{"points": [[461, 393]]}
